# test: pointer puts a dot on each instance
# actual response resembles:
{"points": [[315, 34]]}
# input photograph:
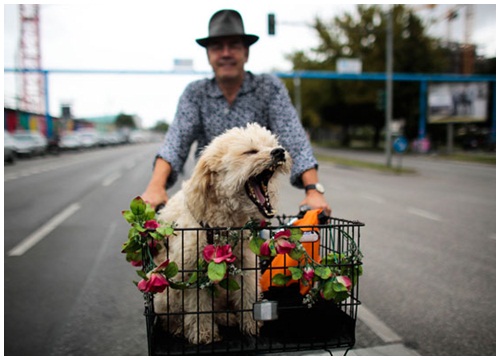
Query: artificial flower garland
{"points": [[331, 278]]}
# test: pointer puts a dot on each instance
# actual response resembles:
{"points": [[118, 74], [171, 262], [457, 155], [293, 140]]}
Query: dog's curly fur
{"points": [[235, 167]]}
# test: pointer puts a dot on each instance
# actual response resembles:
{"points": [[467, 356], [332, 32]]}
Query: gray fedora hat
{"points": [[227, 23]]}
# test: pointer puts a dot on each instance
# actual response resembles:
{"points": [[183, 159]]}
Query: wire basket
{"points": [[285, 317]]}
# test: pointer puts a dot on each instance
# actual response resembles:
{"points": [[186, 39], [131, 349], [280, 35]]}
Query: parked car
{"points": [[9, 149], [30, 143], [88, 139], [70, 141]]}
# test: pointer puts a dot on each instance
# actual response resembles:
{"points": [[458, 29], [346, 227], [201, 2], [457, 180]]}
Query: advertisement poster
{"points": [[458, 102]]}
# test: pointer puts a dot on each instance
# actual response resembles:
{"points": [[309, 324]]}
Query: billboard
{"points": [[457, 102]]}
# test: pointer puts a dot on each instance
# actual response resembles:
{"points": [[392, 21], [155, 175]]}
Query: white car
{"points": [[9, 148], [88, 139], [29, 143], [70, 142]]}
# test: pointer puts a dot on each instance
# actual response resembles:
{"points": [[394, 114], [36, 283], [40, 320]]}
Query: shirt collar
{"points": [[249, 85]]}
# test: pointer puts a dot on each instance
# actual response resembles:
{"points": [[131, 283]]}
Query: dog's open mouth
{"points": [[257, 191]]}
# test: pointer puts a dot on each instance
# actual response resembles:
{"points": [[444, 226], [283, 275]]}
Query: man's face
{"points": [[227, 56]]}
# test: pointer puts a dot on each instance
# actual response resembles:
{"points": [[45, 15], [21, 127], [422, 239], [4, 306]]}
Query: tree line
{"points": [[347, 104]]}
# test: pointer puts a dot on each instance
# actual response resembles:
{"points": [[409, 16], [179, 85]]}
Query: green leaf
{"points": [[330, 259], [138, 227], [165, 230], [359, 269], [192, 278], [171, 270], [339, 287], [255, 244], [156, 235], [216, 272], [178, 285], [142, 274], [129, 216], [341, 296], [281, 279], [149, 212], [133, 256], [296, 234], [138, 206], [296, 273], [328, 291], [296, 254], [272, 249], [131, 246], [323, 272], [133, 234], [229, 284]]}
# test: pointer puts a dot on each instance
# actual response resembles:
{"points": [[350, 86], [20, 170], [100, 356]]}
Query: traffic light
{"points": [[271, 24]]}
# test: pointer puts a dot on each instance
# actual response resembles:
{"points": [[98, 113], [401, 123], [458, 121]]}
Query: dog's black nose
{"points": [[278, 154]]}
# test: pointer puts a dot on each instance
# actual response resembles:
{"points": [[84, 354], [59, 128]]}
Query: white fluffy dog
{"points": [[233, 182]]}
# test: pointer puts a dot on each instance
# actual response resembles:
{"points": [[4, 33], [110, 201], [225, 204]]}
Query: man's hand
{"points": [[155, 193], [315, 200], [155, 196]]}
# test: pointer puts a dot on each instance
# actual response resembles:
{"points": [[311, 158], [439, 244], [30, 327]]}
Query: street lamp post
{"points": [[388, 87]]}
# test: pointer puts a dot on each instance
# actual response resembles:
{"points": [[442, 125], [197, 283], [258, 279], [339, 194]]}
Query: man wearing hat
{"points": [[234, 97]]}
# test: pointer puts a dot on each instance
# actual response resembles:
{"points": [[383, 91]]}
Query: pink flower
{"points": [[151, 224], [156, 283], [161, 267], [136, 263], [344, 280], [308, 274], [279, 244], [218, 254], [283, 234], [265, 250], [284, 246]]}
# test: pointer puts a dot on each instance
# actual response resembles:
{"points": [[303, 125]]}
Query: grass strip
{"points": [[364, 164]]}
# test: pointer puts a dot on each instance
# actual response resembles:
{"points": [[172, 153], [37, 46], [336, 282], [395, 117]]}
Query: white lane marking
{"points": [[111, 179], [424, 214], [39, 234], [374, 198], [377, 325]]}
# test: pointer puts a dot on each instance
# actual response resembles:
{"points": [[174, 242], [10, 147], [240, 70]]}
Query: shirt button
{"points": [[226, 111]]}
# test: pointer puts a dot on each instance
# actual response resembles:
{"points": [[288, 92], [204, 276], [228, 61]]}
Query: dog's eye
{"points": [[250, 152]]}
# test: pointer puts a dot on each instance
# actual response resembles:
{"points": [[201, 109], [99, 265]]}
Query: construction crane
{"points": [[32, 83], [450, 15]]}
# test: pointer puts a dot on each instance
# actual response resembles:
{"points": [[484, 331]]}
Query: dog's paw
{"points": [[250, 326], [206, 336], [226, 319]]}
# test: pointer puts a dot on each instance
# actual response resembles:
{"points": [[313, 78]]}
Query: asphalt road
{"points": [[429, 245]]}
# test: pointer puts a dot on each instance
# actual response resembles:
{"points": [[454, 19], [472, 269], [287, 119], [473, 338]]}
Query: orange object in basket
{"points": [[282, 262]]}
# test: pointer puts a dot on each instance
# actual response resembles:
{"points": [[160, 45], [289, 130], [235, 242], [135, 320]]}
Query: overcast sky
{"points": [[150, 35]]}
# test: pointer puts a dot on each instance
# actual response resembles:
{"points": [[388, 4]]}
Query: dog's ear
{"points": [[199, 190]]}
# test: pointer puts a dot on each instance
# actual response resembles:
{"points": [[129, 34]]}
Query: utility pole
{"points": [[388, 87]]}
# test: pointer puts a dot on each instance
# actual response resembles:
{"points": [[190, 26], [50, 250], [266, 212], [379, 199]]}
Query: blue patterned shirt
{"points": [[204, 113]]}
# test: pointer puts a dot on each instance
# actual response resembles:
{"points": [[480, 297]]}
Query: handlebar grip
{"points": [[322, 216], [159, 207]]}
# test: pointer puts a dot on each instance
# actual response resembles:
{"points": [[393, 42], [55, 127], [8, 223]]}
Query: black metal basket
{"points": [[325, 324]]}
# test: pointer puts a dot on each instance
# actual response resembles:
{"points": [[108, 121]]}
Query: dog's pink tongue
{"points": [[260, 196]]}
